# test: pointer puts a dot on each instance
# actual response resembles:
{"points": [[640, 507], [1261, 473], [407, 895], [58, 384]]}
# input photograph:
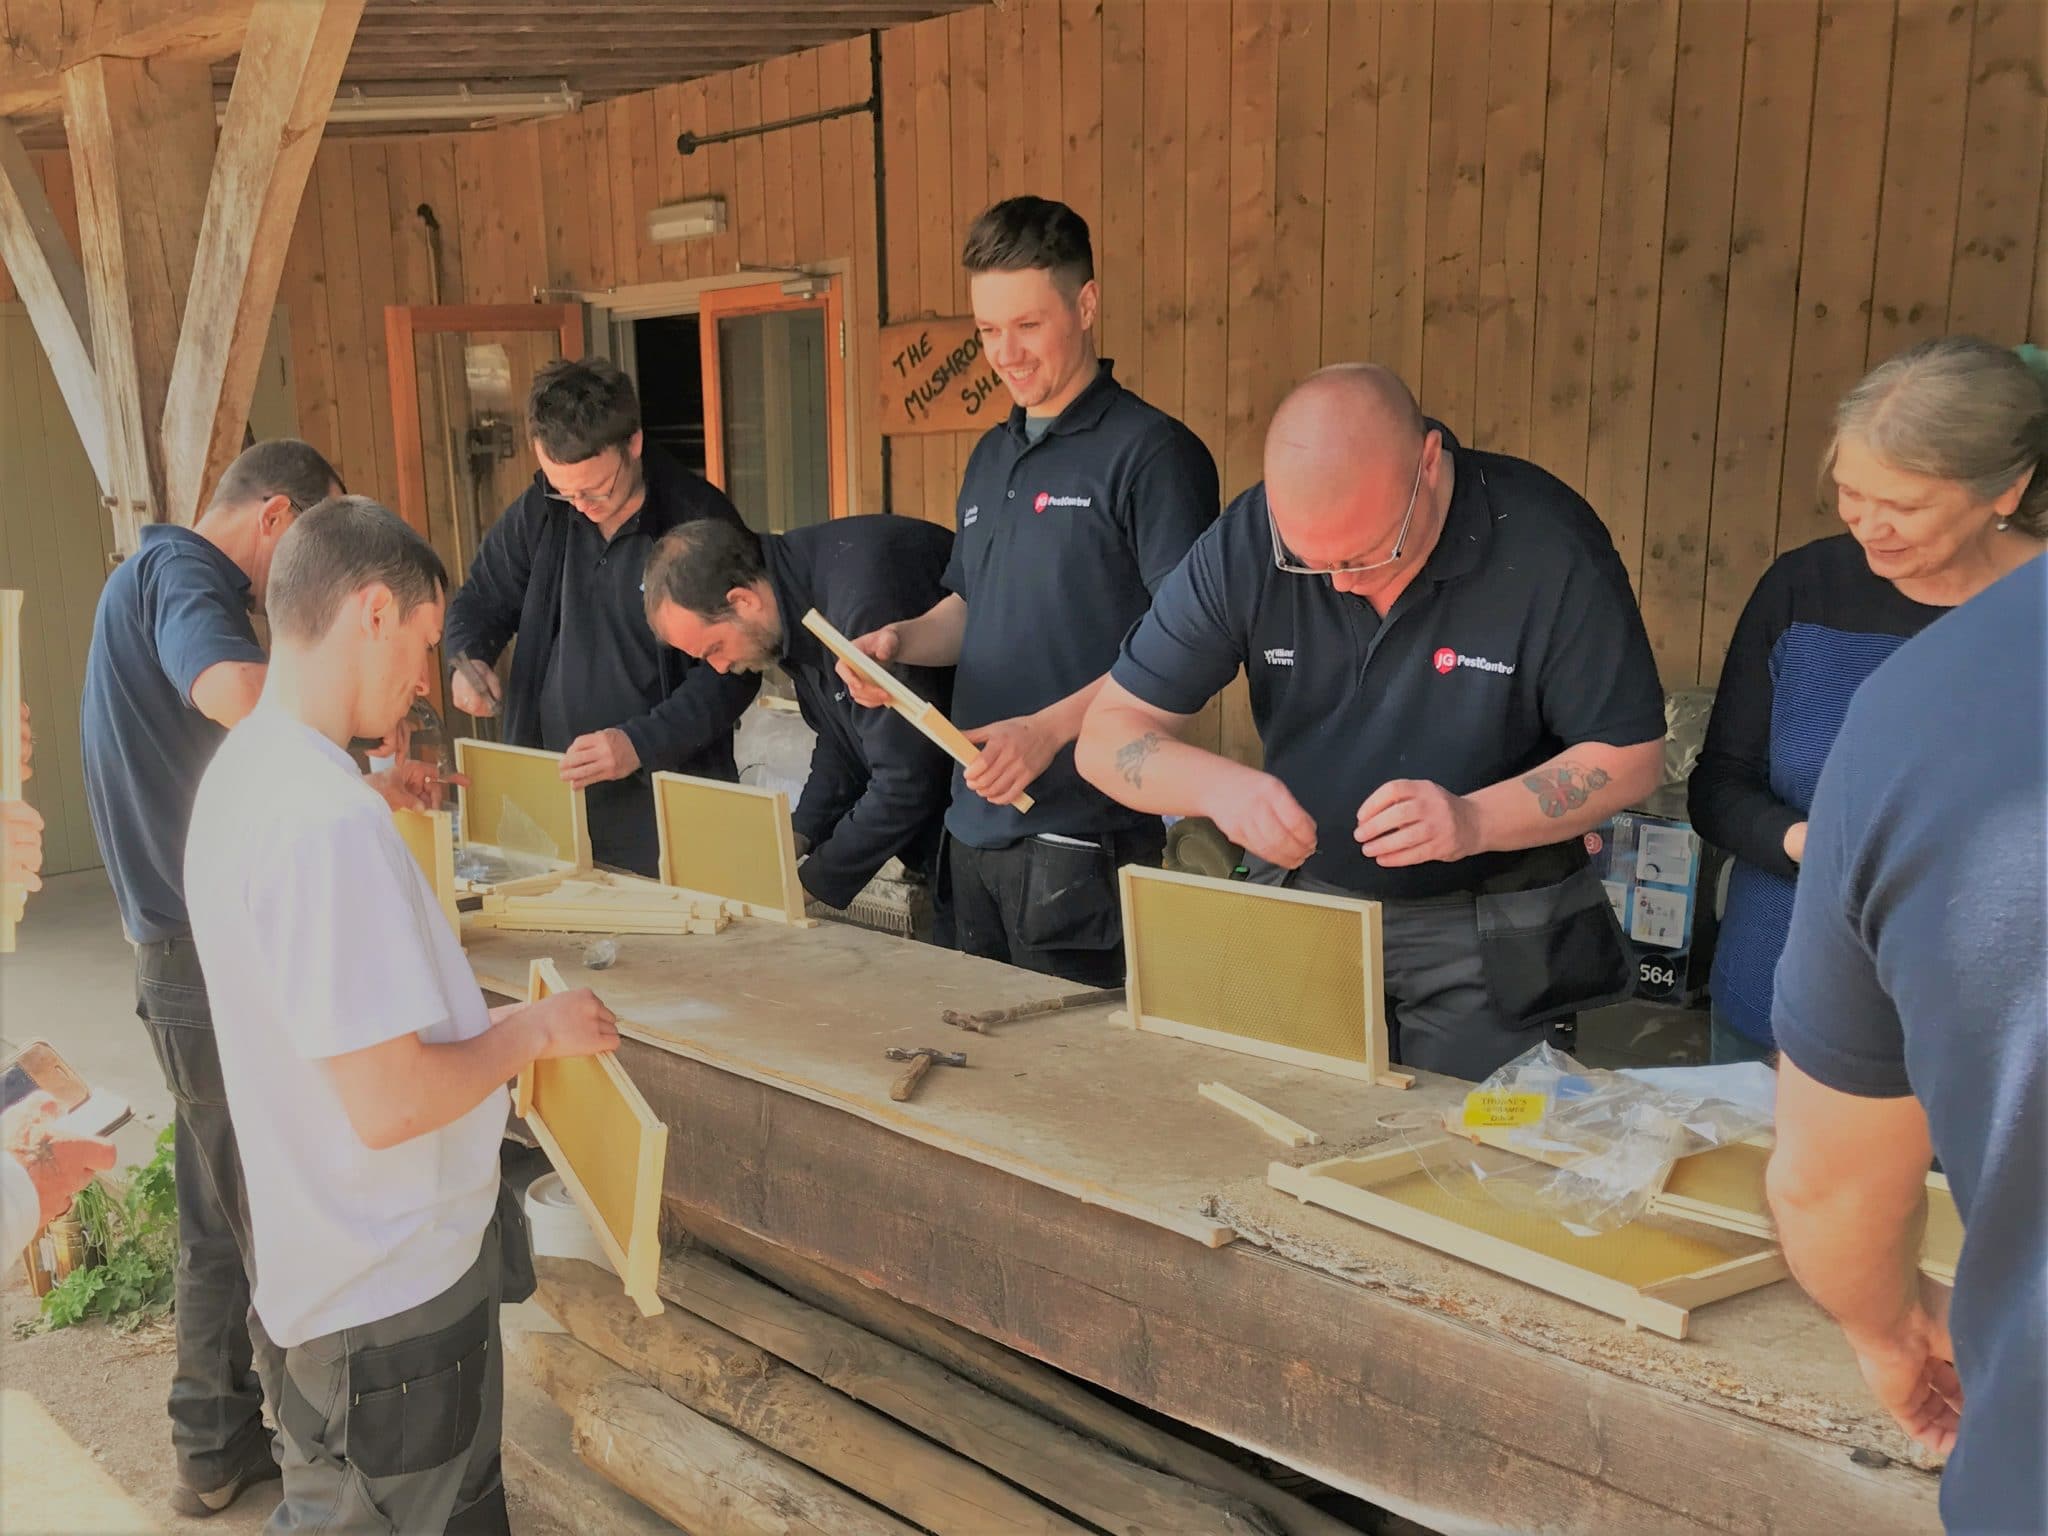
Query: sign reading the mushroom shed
{"points": [[935, 379]]}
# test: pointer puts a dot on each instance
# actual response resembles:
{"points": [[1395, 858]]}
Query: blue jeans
{"points": [[1726, 1043]]}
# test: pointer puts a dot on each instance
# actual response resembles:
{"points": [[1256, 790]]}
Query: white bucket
{"points": [[560, 1229]]}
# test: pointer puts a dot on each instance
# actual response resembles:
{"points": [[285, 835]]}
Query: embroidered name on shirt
{"points": [[1447, 660], [1279, 658], [967, 518], [1047, 499]]}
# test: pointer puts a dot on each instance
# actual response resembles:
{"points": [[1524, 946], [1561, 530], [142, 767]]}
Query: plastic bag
{"points": [[1595, 1146]]}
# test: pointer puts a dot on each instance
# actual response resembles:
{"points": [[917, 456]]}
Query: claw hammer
{"points": [[920, 1061]]}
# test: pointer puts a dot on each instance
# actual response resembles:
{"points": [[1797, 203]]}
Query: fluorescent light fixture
{"points": [[686, 221], [460, 105]]}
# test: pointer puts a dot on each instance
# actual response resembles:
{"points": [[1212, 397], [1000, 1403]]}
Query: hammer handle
{"points": [[913, 1074]]}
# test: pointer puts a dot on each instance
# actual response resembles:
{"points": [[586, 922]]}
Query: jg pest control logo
{"points": [[1446, 661], [1046, 499]]}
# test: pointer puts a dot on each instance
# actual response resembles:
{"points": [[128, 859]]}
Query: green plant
{"points": [[131, 1245]]}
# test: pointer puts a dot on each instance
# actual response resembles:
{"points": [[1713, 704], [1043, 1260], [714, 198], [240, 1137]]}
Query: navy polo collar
{"points": [[1468, 522], [1084, 412], [798, 643]]}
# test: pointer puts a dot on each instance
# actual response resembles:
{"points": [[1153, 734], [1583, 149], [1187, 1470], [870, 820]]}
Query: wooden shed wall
{"points": [[1643, 242]]}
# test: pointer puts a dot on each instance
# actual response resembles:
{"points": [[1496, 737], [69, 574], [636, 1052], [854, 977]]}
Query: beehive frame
{"points": [[1648, 1274], [729, 843], [12, 897], [430, 838], [531, 780], [1290, 976], [607, 1145], [920, 712]]}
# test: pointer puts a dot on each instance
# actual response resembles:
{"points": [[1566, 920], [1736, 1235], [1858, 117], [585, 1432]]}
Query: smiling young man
{"points": [[560, 571], [365, 1073], [1452, 684], [1070, 515], [735, 600]]}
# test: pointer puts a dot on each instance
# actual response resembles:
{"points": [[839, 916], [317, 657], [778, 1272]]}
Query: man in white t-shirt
{"points": [[365, 1076]]}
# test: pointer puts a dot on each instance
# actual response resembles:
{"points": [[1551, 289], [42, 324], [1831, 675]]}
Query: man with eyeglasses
{"points": [[1452, 685], [561, 571]]}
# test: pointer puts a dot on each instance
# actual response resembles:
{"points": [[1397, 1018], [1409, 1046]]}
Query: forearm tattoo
{"points": [[1565, 787], [1131, 756]]}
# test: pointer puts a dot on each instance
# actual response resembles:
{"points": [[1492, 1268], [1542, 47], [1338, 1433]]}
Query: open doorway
{"points": [[667, 367]]}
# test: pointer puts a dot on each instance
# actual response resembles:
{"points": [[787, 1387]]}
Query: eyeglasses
{"points": [[1294, 568], [591, 498]]}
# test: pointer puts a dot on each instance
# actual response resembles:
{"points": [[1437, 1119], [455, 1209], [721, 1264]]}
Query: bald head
{"points": [[1345, 432]]}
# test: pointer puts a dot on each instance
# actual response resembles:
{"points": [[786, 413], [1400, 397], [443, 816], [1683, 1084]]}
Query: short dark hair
{"points": [[578, 407], [1022, 233], [285, 467], [696, 565], [336, 549]]}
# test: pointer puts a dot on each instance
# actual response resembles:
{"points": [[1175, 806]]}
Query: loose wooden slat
{"points": [[604, 267], [1838, 249], [1691, 311], [2005, 131], [1763, 281], [1254, 96], [807, 161], [1300, 172], [1922, 174], [1120, 237], [1448, 382], [1164, 173], [1401, 189], [778, 169], [1511, 206], [937, 245], [1631, 252], [1349, 205], [900, 151], [1208, 216], [1575, 141]]}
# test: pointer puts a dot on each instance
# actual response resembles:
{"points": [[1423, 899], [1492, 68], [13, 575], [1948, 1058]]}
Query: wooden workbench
{"points": [[1070, 1195]]}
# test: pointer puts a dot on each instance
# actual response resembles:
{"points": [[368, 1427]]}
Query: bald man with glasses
{"points": [[1452, 685], [560, 571]]}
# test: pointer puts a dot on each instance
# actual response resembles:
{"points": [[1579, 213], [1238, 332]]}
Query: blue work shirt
{"points": [[1915, 965], [1518, 638], [167, 613], [1062, 541]]}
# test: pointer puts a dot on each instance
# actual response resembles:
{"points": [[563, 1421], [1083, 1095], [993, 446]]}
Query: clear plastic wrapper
{"points": [[1593, 1146]]}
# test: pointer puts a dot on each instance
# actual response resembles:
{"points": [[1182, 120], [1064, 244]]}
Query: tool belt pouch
{"points": [[1070, 897], [515, 1247], [1554, 949]]}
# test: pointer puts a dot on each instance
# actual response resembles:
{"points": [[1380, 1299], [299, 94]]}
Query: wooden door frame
{"points": [[766, 299]]}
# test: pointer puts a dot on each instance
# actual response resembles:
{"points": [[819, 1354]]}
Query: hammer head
{"points": [[940, 1058]]}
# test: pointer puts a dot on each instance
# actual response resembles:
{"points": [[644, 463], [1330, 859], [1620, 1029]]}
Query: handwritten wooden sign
{"points": [[935, 379]]}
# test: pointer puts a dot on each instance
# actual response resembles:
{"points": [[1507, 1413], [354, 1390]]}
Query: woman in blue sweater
{"points": [[1936, 468]]}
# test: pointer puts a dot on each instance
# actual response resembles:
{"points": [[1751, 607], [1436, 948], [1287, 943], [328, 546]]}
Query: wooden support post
{"points": [[52, 287], [284, 85], [43, 38], [141, 136]]}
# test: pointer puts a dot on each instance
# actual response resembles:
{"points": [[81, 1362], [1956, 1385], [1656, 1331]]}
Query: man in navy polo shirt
{"points": [[1071, 513], [1452, 684], [174, 663]]}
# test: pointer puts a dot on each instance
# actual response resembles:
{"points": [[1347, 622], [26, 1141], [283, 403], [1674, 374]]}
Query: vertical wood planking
{"points": [[604, 268], [1691, 313], [778, 167], [695, 169], [628, 237], [1631, 258], [1401, 187], [1254, 88], [967, 49], [670, 118], [750, 169], [1080, 74], [1510, 225], [1164, 177], [860, 63], [1203, 393], [334, 177], [807, 164], [1038, 41], [722, 169], [303, 291], [371, 172], [1300, 169], [1763, 284], [1120, 241], [2005, 129], [1453, 216], [1838, 248], [936, 245], [645, 184], [1352, 83], [1922, 174], [1568, 257], [1003, 32], [568, 201], [899, 255]]}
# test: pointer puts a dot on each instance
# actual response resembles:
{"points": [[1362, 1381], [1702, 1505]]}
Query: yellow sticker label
{"points": [[1492, 1108]]}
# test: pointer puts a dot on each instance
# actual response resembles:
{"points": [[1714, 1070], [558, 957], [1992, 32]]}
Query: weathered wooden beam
{"points": [[51, 283], [284, 86], [141, 139], [44, 38]]}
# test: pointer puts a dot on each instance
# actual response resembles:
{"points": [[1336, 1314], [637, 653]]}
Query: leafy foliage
{"points": [[131, 1242]]}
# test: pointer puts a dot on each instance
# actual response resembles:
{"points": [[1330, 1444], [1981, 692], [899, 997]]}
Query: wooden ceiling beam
{"points": [[43, 38], [52, 288], [277, 109]]}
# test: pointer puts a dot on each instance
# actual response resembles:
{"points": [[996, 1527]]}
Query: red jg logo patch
{"points": [[1446, 659], [1044, 501], [1594, 843]]}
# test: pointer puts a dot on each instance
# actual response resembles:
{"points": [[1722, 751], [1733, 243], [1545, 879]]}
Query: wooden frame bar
{"points": [[472, 759], [790, 909], [430, 838], [1662, 1306], [636, 1252], [12, 897], [922, 713], [1373, 1026]]}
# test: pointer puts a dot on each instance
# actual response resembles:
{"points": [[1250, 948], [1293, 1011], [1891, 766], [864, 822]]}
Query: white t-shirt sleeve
{"points": [[21, 1209], [340, 924]]}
